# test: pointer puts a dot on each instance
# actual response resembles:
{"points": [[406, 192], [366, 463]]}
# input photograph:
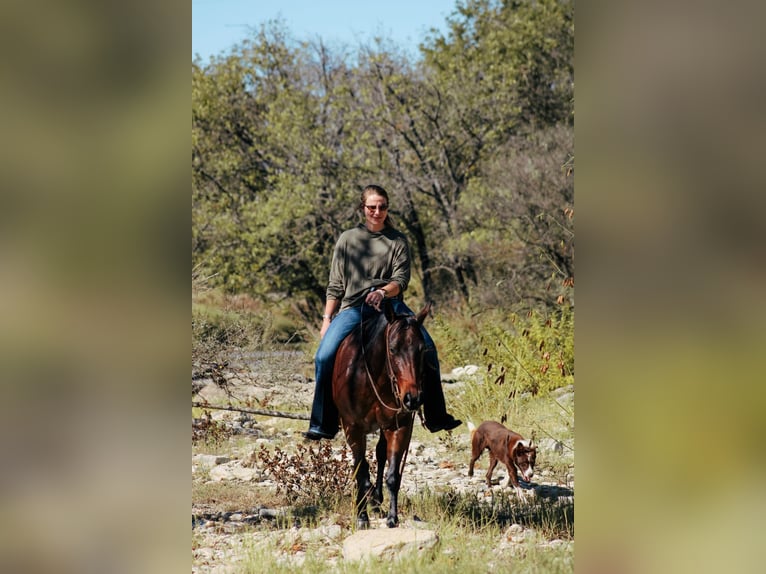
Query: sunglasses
{"points": [[377, 207]]}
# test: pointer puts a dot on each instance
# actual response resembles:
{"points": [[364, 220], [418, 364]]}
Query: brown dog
{"points": [[506, 446]]}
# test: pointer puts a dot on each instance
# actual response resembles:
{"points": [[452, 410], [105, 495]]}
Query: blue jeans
{"points": [[324, 414]]}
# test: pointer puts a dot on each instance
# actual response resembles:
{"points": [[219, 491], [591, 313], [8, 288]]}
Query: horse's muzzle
{"points": [[412, 402]]}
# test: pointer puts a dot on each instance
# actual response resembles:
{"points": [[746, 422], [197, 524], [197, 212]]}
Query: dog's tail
{"points": [[471, 430]]}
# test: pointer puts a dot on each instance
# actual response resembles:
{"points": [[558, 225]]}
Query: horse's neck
{"points": [[373, 332], [374, 344]]}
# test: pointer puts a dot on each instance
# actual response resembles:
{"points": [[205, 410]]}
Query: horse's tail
{"points": [[471, 430]]}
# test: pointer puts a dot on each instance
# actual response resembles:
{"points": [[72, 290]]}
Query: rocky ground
{"points": [[221, 538]]}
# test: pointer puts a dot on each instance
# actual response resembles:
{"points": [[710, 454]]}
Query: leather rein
{"points": [[394, 386], [391, 375]]}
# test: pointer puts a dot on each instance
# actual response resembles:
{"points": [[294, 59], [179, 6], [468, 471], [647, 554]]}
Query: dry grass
{"points": [[215, 497]]}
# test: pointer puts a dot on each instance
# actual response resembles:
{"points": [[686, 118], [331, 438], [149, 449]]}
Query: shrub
{"points": [[520, 355], [313, 476], [535, 355], [208, 431]]}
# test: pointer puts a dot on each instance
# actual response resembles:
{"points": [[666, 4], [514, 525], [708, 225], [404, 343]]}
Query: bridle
{"points": [[389, 368], [394, 385]]}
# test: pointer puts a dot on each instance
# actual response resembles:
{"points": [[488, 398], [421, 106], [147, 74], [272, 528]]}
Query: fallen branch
{"points": [[254, 411]]}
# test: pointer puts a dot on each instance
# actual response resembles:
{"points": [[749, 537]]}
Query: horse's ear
{"points": [[388, 309], [424, 312]]}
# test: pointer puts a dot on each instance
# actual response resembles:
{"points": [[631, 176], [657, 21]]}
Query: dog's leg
{"points": [[475, 454], [477, 448], [513, 478], [506, 483], [492, 465]]}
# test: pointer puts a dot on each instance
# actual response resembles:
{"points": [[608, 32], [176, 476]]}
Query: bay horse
{"points": [[376, 387]]}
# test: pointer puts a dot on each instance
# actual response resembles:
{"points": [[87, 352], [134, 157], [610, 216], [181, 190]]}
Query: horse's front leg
{"points": [[398, 443], [358, 443], [381, 452], [363, 488]]}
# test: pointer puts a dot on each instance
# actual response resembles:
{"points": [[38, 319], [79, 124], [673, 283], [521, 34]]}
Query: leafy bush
{"points": [[226, 331], [208, 431], [519, 356], [313, 476], [535, 355]]}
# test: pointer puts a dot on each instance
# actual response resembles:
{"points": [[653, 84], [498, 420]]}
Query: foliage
{"points": [[520, 224], [518, 355], [227, 330], [285, 134], [555, 518], [536, 355], [208, 431], [219, 338], [311, 476], [514, 58]]}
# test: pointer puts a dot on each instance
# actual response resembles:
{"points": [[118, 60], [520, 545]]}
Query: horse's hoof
{"points": [[392, 522], [362, 524]]}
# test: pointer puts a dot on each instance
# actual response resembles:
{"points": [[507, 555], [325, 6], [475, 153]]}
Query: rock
{"points": [[234, 472], [562, 391], [551, 444], [461, 374], [323, 533], [209, 460], [566, 400], [271, 513], [564, 396], [387, 542]]}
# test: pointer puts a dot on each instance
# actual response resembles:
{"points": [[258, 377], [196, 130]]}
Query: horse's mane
{"points": [[369, 330]]}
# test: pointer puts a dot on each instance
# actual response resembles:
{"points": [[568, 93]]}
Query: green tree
{"points": [[285, 134], [275, 119], [512, 59], [229, 167], [520, 222], [503, 70]]}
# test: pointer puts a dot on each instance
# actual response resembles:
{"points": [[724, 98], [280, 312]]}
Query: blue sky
{"points": [[219, 24]]}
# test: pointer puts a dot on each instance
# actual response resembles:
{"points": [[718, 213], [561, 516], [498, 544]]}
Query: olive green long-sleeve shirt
{"points": [[363, 259]]}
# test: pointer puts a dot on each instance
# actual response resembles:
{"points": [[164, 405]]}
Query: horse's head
{"points": [[406, 348]]}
